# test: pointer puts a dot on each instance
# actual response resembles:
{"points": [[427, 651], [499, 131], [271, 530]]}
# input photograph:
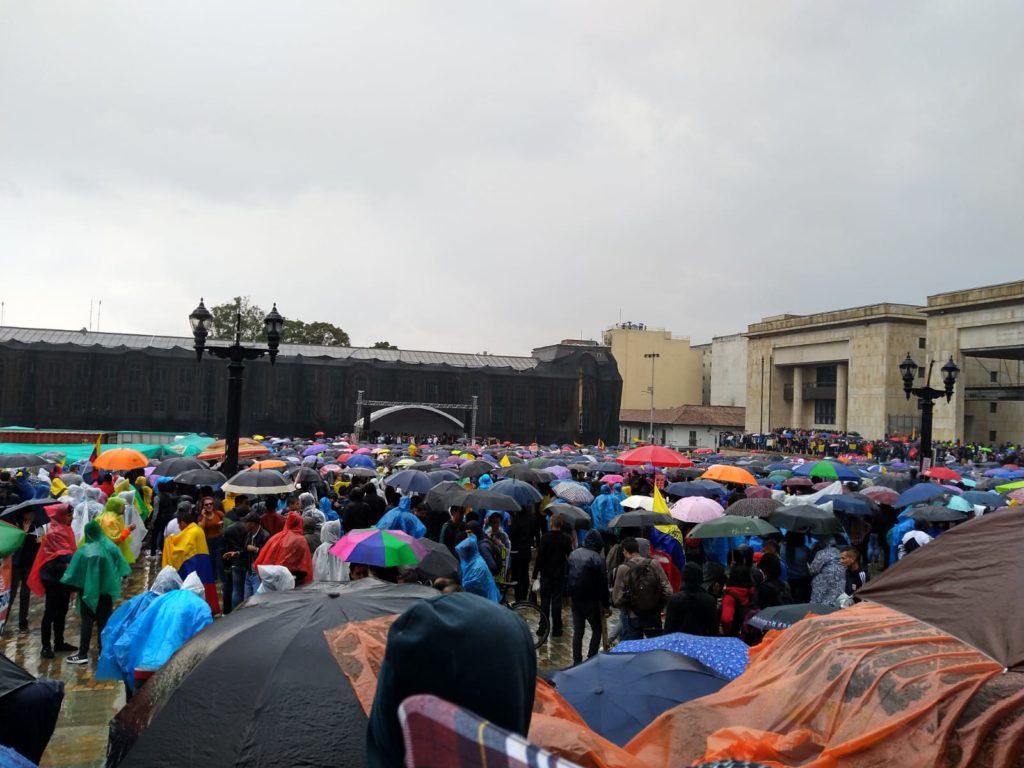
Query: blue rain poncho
{"points": [[171, 621], [327, 509], [402, 518], [604, 508], [617, 493], [473, 571], [123, 625]]}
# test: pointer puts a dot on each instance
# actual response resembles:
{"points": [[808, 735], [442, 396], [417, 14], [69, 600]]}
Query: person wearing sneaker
{"points": [[55, 552], [95, 572]]}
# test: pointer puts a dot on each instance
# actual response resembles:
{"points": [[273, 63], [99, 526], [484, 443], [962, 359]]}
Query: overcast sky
{"points": [[467, 176]]}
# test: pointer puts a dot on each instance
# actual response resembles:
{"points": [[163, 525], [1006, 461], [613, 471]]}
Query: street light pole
{"points": [[926, 397], [653, 356], [236, 355]]}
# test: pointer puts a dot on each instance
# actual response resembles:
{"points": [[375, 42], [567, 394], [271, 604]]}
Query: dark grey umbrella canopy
{"points": [[806, 518], [479, 499], [930, 513], [640, 519], [178, 464], [445, 495], [21, 461], [199, 477], [576, 517], [259, 481]]}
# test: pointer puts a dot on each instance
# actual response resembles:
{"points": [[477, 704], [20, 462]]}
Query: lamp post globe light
{"points": [[201, 320], [926, 397]]}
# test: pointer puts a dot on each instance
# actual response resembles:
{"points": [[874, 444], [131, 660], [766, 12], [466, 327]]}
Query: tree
{"points": [[294, 332], [383, 345]]}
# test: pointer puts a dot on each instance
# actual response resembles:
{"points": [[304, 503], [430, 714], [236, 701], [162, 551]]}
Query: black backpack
{"points": [[642, 589]]}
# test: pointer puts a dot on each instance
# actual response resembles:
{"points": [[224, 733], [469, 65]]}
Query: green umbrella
{"points": [[824, 469], [732, 525], [1010, 486]]}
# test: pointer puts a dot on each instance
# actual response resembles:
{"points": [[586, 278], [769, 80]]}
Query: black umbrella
{"points": [[424, 466], [577, 517], [178, 464], [303, 475], [691, 473], [359, 472], [439, 562], [259, 481], [640, 519], [805, 518], [785, 616], [753, 507], [527, 474], [490, 500], [21, 460], [521, 491], [28, 709], [38, 506], [609, 467], [473, 469], [199, 477], [266, 677], [896, 482], [930, 513], [444, 495]]}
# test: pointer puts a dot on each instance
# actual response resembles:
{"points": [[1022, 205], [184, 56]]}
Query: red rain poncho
{"points": [[289, 548]]}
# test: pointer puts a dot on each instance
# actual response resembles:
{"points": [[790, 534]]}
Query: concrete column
{"points": [[798, 398], [841, 397]]}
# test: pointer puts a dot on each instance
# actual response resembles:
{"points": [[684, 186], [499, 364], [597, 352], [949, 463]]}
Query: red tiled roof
{"points": [[698, 415]]}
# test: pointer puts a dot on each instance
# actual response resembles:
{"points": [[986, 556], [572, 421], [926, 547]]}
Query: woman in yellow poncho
{"points": [[111, 520]]}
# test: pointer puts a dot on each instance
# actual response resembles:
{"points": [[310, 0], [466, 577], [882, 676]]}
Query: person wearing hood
{"points": [[485, 482], [604, 508], [473, 571], [111, 520], [587, 587], [166, 505], [483, 544], [95, 572], [311, 510], [327, 567], [463, 624], [55, 552], [692, 610], [171, 620], [289, 548], [617, 493], [86, 511], [327, 509], [117, 636], [739, 599], [402, 518], [828, 574], [275, 578], [311, 533]]}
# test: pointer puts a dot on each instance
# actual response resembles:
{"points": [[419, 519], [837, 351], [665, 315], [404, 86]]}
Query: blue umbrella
{"points": [[414, 480], [984, 498], [619, 694], [361, 460], [728, 656], [522, 492], [847, 505], [916, 494]]}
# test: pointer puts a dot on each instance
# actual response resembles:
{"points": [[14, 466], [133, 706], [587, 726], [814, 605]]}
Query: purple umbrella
{"points": [[560, 472], [314, 449]]}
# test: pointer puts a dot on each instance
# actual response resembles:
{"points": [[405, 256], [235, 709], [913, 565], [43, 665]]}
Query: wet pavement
{"points": [[80, 738]]}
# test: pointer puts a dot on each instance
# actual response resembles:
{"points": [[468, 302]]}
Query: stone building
{"points": [[676, 373], [729, 370], [79, 379]]}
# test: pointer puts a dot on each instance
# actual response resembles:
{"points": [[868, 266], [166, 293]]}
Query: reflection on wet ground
{"points": [[81, 736]]}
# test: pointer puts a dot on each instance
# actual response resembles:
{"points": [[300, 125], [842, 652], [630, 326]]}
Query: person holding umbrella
{"points": [[95, 572]]}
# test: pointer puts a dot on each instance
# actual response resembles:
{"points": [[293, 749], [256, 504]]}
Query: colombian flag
{"points": [[187, 553], [600, 444], [96, 449]]}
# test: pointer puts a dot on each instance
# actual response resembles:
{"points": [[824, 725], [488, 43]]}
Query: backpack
{"points": [[642, 589]]}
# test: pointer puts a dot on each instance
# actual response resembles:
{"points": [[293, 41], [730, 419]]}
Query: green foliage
{"points": [[294, 332], [383, 345]]}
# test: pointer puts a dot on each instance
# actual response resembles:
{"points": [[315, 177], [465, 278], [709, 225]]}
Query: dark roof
{"points": [[86, 338], [700, 415]]}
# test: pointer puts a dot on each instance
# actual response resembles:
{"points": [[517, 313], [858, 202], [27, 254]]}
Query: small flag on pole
{"points": [[505, 462], [600, 444]]}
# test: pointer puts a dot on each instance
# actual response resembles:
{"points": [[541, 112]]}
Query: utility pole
{"points": [[652, 356]]}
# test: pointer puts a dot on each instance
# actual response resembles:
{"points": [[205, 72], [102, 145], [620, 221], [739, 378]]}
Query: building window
{"points": [[920, 372], [133, 406], [185, 377], [133, 374], [825, 375], [160, 374], [991, 435], [993, 376], [824, 411], [693, 437], [921, 342], [184, 402], [992, 407], [159, 406]]}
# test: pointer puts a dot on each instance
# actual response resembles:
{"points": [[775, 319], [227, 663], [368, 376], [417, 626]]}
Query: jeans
{"points": [[551, 591], [639, 627], [237, 586], [252, 583], [585, 612], [104, 607], [19, 577], [55, 611]]}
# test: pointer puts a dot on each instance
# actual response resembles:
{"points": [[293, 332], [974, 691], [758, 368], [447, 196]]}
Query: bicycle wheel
{"points": [[537, 622]]}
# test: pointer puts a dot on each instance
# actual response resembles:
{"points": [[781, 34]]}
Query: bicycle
{"points": [[529, 612]]}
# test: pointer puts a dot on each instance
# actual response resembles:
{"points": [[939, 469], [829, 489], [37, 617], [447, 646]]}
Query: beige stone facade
{"points": [[677, 371], [729, 370]]}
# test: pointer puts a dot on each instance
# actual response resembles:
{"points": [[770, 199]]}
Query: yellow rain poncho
{"points": [[111, 520]]}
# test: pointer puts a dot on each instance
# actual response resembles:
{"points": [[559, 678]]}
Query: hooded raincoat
{"points": [[58, 545], [111, 520], [289, 548], [402, 518], [86, 511], [327, 567], [473, 571], [604, 508], [171, 621], [96, 568]]}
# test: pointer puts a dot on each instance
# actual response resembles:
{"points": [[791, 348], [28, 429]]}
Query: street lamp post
{"points": [[652, 356], [236, 355], [926, 397]]}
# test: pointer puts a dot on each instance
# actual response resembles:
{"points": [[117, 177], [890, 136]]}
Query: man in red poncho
{"points": [[289, 548], [55, 553]]}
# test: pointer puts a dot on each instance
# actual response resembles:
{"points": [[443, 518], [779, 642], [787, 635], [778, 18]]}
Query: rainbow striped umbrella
{"points": [[385, 548]]}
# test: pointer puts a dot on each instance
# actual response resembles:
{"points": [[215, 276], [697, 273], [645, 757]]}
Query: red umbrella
{"points": [[657, 455], [942, 473]]}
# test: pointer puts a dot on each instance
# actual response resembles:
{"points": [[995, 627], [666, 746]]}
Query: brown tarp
{"points": [[968, 582], [865, 686]]}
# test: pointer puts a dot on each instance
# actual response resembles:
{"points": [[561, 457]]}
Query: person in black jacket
{"points": [[522, 531], [587, 586], [552, 556], [357, 514], [692, 610]]}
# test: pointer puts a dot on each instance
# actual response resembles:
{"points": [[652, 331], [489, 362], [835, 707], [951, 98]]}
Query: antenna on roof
{"points": [[99, 311], [3, 309], [90, 314]]}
